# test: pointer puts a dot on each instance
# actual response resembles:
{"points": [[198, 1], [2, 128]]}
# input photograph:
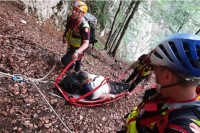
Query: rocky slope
{"points": [[33, 49]]}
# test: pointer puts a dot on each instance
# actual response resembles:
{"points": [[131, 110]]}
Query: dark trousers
{"points": [[67, 58], [137, 80], [117, 88], [132, 76]]}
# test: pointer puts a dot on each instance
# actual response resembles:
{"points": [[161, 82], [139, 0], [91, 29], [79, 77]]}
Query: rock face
{"points": [[45, 9]]}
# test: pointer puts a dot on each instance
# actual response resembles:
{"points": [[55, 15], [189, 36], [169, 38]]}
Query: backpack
{"points": [[92, 21]]}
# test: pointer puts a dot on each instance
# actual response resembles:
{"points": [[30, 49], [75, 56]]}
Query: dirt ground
{"points": [[31, 48]]}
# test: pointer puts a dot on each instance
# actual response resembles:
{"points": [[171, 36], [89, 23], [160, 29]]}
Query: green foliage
{"points": [[103, 15], [157, 19], [98, 45], [173, 15], [109, 10], [154, 20]]}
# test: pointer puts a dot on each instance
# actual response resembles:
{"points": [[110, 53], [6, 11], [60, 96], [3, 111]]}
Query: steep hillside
{"points": [[33, 49]]}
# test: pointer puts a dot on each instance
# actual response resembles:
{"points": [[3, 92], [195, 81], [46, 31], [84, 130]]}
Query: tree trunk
{"points": [[125, 28], [102, 10], [197, 32], [113, 26], [180, 27], [184, 21], [111, 40], [120, 27], [116, 38]]}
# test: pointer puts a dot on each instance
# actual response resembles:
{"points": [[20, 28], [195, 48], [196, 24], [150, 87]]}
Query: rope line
{"points": [[2, 74], [52, 108]]}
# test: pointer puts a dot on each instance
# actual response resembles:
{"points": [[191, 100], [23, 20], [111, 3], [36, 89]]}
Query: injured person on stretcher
{"points": [[84, 82]]}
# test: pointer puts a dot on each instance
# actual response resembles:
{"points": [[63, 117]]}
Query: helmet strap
{"points": [[167, 86], [159, 87]]}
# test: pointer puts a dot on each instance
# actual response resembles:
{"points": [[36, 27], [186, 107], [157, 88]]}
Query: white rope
{"points": [[27, 78], [51, 107], [40, 79], [5, 74], [56, 95], [2, 74]]}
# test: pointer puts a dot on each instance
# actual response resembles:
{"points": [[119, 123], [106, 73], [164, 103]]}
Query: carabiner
{"points": [[17, 77]]}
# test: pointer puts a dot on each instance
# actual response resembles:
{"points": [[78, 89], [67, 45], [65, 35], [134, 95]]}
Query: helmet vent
{"points": [[158, 55], [175, 51], [198, 51], [187, 49], [194, 63], [165, 52]]}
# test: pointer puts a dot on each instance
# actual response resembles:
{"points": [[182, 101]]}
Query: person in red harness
{"points": [[107, 88], [84, 82], [174, 106], [77, 34], [142, 69]]}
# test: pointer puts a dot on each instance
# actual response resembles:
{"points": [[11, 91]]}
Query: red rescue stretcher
{"points": [[79, 100]]}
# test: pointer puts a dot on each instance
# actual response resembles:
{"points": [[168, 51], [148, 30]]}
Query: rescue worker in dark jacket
{"points": [[77, 34], [141, 71], [174, 106]]}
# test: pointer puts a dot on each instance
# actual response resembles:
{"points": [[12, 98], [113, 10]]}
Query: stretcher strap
{"points": [[89, 93]]}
